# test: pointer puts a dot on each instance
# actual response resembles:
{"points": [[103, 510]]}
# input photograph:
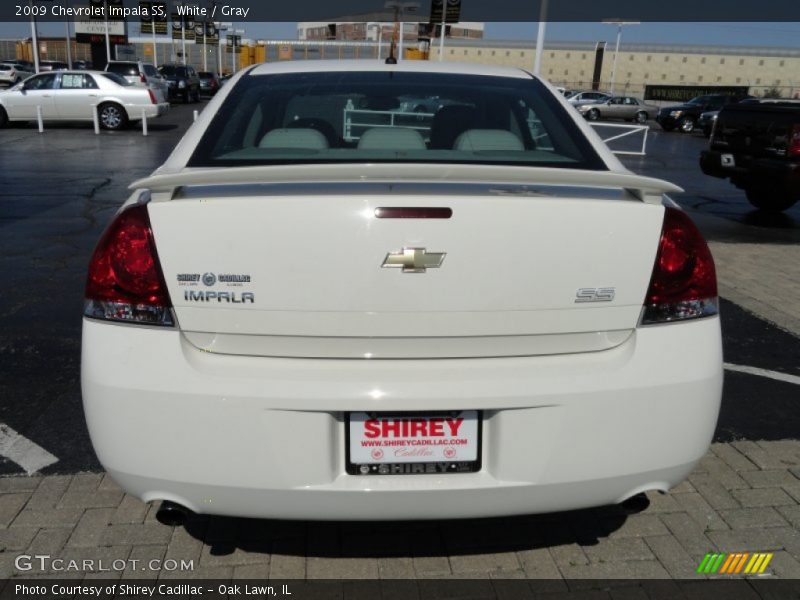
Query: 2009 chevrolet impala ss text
{"points": [[463, 311]]}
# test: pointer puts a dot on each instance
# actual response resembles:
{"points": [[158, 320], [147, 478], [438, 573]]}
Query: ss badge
{"points": [[595, 295]]}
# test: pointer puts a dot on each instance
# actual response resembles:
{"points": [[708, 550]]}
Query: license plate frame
{"points": [[434, 467]]}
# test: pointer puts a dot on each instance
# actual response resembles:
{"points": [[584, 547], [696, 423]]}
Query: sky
{"points": [[740, 34]]}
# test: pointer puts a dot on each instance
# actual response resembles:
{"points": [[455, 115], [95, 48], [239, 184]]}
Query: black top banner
{"points": [[471, 10]]}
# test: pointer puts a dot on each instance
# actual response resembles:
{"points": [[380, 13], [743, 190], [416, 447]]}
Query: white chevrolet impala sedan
{"points": [[425, 290]]}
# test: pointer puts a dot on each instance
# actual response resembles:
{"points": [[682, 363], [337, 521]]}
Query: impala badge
{"points": [[414, 260]]}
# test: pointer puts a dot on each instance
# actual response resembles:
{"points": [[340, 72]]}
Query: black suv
{"points": [[685, 116], [182, 81]]}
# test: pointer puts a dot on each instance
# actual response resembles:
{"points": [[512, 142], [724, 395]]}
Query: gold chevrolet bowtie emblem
{"points": [[414, 260]]}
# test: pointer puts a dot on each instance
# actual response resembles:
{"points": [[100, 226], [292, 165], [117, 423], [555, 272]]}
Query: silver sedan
{"points": [[73, 96], [619, 107]]}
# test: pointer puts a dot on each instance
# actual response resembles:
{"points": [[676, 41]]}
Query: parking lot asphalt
{"points": [[60, 188]]}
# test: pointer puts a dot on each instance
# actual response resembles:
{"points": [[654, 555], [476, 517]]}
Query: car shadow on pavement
{"points": [[135, 127], [415, 539]]}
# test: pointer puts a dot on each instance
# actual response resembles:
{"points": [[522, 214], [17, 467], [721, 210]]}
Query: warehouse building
{"points": [[573, 65]]}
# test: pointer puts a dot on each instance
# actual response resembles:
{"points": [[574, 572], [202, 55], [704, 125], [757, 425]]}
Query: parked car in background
{"points": [[626, 108], [209, 83], [142, 74], [756, 145], [182, 82], [71, 96], [470, 317], [11, 73], [52, 65], [82, 65], [684, 117], [578, 98]]}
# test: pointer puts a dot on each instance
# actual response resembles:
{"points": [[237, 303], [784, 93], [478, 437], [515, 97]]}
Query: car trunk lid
{"points": [[299, 270]]}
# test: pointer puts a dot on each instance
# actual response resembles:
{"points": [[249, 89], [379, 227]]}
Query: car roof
{"points": [[404, 66]]}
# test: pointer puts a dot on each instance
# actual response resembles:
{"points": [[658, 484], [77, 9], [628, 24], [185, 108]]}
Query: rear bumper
{"points": [[264, 437], [746, 168], [150, 110]]}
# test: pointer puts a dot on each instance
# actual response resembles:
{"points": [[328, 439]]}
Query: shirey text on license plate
{"points": [[424, 443]]}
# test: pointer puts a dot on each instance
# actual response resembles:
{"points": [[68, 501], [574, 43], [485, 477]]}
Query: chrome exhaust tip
{"points": [[172, 514]]}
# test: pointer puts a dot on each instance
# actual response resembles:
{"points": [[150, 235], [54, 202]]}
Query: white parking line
{"points": [[22, 451], [764, 373]]}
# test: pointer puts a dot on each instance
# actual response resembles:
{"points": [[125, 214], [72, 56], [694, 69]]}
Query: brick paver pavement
{"points": [[763, 278], [743, 496]]}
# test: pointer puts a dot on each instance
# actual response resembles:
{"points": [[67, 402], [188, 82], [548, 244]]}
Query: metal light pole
{"points": [[619, 25], [183, 40], [220, 29], [69, 44], [400, 49], [442, 31], [155, 48], [537, 65], [108, 34], [205, 50], [236, 32], [34, 39]]}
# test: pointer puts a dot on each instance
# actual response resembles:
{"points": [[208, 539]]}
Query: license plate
{"points": [[413, 443], [727, 160]]}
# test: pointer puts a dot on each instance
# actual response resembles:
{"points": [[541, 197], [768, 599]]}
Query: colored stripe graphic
{"points": [[727, 564], [734, 564], [704, 564], [740, 563]]}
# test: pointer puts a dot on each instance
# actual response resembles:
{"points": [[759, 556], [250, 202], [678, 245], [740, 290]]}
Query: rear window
{"points": [[118, 79], [124, 69], [150, 71], [393, 117], [205, 75], [170, 71]]}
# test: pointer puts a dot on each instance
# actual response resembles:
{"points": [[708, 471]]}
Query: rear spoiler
{"points": [[645, 189]]}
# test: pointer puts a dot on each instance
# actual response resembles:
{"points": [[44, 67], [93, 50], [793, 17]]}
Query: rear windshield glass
{"points": [[170, 71], [205, 75], [117, 79], [124, 69], [393, 117]]}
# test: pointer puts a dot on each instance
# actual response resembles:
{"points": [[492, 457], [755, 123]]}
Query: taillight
{"points": [[152, 96], [125, 282], [794, 141], [142, 78], [684, 281]]}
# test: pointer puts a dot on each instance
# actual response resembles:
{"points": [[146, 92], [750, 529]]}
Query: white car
{"points": [[580, 98], [322, 307], [11, 73], [73, 96]]}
